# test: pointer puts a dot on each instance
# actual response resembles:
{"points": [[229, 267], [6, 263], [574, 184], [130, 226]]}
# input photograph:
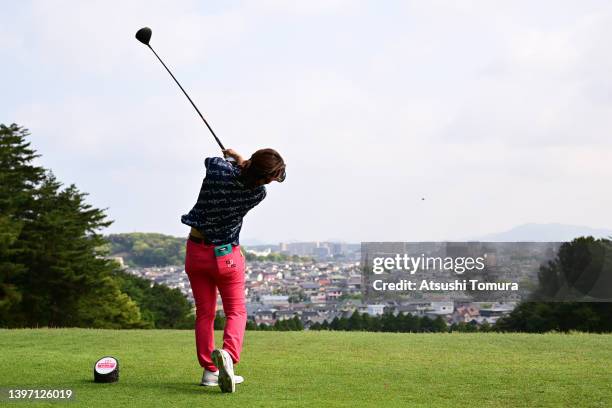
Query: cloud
{"points": [[495, 112], [304, 8]]}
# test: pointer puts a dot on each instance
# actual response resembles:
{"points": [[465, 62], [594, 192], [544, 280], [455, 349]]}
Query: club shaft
{"points": [[192, 104]]}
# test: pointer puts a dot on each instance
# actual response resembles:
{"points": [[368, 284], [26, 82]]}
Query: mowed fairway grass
{"points": [[158, 368]]}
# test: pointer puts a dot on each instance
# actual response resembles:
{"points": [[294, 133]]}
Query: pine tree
{"points": [[53, 271], [439, 325], [355, 322], [315, 326], [389, 322], [297, 323], [426, 324], [68, 275], [18, 179]]}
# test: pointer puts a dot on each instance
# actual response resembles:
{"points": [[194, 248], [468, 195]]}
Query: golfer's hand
{"points": [[234, 155], [230, 153]]}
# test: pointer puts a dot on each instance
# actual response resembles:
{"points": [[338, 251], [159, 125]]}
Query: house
{"points": [[265, 317], [310, 316], [435, 309], [465, 314], [338, 280], [275, 300], [318, 298], [375, 310], [354, 283], [496, 311], [310, 288], [268, 276], [284, 314], [415, 309], [253, 307], [332, 293]]}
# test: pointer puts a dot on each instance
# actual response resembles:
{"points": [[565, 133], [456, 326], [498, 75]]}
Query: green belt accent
{"points": [[222, 250]]}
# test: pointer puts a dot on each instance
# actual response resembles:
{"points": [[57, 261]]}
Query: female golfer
{"points": [[214, 259]]}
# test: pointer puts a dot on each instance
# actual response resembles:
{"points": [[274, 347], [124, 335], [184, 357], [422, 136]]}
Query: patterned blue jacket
{"points": [[222, 203]]}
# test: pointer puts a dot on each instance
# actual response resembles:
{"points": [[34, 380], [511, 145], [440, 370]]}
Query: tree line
{"points": [[145, 249], [387, 322], [291, 324], [54, 266], [148, 249], [573, 293]]}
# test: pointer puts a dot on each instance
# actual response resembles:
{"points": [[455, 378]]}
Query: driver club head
{"points": [[144, 35]]}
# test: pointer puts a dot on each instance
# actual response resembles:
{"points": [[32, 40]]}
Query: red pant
{"points": [[207, 274]]}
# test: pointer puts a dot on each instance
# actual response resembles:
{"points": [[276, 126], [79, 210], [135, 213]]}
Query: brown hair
{"points": [[264, 166]]}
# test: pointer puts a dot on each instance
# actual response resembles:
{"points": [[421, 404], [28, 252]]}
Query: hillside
{"points": [[545, 233], [297, 369], [147, 249]]}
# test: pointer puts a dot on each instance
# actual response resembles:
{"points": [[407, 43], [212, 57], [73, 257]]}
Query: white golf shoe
{"points": [[223, 361], [211, 378]]}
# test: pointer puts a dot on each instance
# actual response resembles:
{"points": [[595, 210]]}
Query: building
{"points": [[275, 300], [375, 310]]}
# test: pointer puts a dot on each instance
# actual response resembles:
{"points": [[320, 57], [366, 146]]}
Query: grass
{"points": [[158, 368]]}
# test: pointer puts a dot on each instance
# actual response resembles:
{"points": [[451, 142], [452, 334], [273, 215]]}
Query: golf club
{"points": [[144, 36]]}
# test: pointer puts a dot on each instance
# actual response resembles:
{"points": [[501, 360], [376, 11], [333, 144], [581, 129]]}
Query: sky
{"points": [[497, 113]]}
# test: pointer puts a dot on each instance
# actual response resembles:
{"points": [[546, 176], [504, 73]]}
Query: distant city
{"points": [[326, 283], [316, 249]]}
